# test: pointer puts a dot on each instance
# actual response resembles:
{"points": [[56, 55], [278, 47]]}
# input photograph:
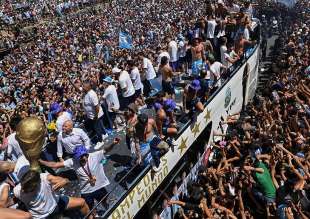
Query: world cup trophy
{"points": [[30, 134]]}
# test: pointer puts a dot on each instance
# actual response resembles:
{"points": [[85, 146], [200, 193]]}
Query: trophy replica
{"points": [[30, 134]]}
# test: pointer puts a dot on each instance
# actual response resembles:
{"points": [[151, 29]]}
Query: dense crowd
{"points": [[18, 18], [77, 79], [260, 167]]}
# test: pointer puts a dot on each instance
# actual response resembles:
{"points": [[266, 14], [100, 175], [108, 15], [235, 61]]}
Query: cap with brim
{"points": [[195, 84], [169, 105], [79, 151], [108, 79], [55, 108], [116, 70]]}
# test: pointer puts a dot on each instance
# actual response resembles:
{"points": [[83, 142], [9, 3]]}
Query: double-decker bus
{"points": [[135, 199]]}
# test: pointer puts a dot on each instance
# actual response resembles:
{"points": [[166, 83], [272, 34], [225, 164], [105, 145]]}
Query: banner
{"points": [[125, 40]]}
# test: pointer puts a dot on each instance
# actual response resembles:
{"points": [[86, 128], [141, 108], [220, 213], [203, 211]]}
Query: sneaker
{"points": [[98, 145]]}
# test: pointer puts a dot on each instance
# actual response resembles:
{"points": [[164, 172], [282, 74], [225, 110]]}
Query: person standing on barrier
{"points": [[90, 171]]}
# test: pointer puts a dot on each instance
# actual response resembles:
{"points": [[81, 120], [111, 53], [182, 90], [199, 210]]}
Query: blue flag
{"points": [[125, 40]]}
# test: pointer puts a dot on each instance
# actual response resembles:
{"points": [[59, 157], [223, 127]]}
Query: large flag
{"points": [[288, 3], [125, 40]]}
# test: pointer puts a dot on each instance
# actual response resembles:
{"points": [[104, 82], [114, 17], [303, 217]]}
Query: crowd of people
{"points": [[16, 16], [260, 167], [76, 78]]}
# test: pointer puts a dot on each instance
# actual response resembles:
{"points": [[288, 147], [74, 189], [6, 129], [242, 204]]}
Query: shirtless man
{"points": [[166, 71], [198, 56], [165, 119], [147, 139], [241, 43], [131, 121]]}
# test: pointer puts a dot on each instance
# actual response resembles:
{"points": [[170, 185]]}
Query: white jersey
{"points": [[110, 95], [13, 151], [40, 203], [22, 165], [126, 84], [136, 78], [150, 71], [96, 169], [90, 102], [215, 69]]}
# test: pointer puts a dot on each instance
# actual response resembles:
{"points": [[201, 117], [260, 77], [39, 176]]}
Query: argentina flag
{"points": [[125, 40]]}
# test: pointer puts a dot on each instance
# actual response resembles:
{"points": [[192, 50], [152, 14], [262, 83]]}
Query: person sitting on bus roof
{"points": [[37, 192], [165, 119], [90, 171], [169, 107], [191, 100]]}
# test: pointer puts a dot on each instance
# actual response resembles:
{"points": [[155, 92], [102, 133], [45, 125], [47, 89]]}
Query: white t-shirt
{"points": [[89, 103], [111, 98], [126, 84], [211, 28], [136, 78], [150, 71], [173, 51], [22, 165], [40, 203], [223, 50], [65, 116], [14, 151], [162, 54], [246, 34], [96, 170], [215, 69]]}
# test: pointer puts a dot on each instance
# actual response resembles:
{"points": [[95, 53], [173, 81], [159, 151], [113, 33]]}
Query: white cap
{"points": [[220, 2], [116, 70]]}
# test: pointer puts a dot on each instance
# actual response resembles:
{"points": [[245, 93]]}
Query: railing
{"points": [[231, 72]]}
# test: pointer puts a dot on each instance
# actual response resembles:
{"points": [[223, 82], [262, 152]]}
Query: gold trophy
{"points": [[30, 134]]}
